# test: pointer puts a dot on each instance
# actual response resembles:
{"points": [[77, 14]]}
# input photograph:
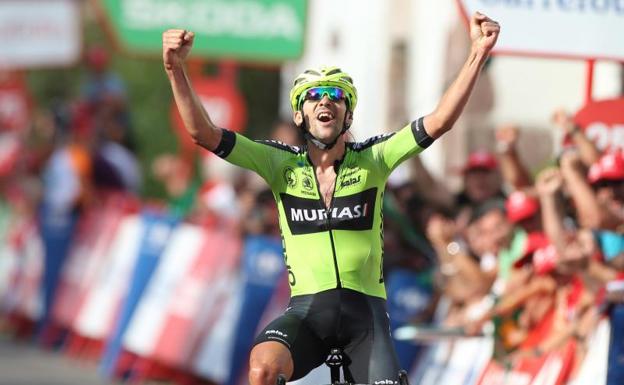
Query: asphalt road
{"points": [[22, 363]]}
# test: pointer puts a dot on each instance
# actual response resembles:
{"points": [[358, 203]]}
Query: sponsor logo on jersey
{"points": [[290, 177], [273, 334], [307, 183], [350, 177], [353, 212], [276, 332], [350, 181]]}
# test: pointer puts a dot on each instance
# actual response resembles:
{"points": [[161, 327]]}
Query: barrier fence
{"points": [[149, 296]]}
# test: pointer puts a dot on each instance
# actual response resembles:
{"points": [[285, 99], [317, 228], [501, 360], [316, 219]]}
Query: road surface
{"points": [[22, 363]]}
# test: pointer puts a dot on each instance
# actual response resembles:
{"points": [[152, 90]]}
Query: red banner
{"points": [[603, 122]]}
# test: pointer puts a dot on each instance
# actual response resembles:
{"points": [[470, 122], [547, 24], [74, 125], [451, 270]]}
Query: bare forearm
{"points": [[590, 213], [430, 187], [552, 221], [587, 149], [195, 118], [513, 171], [600, 272], [456, 96]]}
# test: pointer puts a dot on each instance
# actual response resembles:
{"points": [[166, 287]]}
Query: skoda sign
{"points": [[251, 30]]}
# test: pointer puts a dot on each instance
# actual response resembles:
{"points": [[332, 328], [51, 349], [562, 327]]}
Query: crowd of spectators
{"points": [[538, 258]]}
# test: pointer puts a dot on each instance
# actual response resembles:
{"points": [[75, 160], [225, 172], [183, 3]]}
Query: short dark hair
{"points": [[486, 207]]}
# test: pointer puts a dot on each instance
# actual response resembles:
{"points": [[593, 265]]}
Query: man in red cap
{"points": [[598, 196], [607, 178], [482, 180], [522, 210]]}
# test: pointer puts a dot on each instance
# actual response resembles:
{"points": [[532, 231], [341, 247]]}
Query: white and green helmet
{"points": [[322, 77]]}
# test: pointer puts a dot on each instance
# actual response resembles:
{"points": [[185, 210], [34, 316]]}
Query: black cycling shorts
{"points": [[338, 318]]}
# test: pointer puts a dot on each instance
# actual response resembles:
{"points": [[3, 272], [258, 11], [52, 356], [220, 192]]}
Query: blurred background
{"points": [[142, 258]]}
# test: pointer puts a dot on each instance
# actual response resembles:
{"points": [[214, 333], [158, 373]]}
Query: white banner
{"points": [[581, 29], [38, 33], [150, 316], [98, 314]]}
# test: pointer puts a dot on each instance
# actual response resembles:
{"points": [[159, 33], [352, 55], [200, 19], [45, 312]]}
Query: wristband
{"points": [[453, 248]]}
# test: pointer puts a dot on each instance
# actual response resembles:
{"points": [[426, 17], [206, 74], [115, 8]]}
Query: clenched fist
{"points": [[177, 44], [549, 182], [483, 32]]}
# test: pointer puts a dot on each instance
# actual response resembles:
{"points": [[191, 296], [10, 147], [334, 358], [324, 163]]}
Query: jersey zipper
{"points": [[328, 219]]}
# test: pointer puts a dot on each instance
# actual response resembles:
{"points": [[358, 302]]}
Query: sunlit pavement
{"points": [[22, 363]]}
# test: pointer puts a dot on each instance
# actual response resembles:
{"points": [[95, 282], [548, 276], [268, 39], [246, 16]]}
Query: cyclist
{"points": [[329, 197]]}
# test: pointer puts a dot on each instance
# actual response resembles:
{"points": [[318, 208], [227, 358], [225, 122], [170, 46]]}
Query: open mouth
{"points": [[325, 116]]}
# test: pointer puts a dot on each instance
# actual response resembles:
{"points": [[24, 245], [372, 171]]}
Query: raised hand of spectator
{"points": [[571, 161], [549, 182], [591, 212], [440, 231], [506, 137], [564, 121], [588, 151], [514, 172]]}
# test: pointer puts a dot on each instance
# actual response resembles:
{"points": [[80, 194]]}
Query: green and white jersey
{"points": [[340, 246]]}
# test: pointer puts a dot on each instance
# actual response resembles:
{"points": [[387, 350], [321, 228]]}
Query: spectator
{"points": [[66, 190], [523, 210], [492, 237], [601, 203], [482, 180]]}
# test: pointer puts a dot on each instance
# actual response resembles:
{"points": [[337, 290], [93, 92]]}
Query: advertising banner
{"points": [[572, 29], [101, 307], [39, 33], [409, 296], [263, 268], [156, 234], [254, 30], [149, 318], [603, 122], [24, 248], [200, 296], [94, 236]]}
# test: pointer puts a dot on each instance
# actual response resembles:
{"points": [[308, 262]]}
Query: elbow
{"points": [[207, 139], [198, 140], [436, 126]]}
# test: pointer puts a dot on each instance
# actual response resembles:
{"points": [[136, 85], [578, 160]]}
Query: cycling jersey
{"points": [[340, 246]]}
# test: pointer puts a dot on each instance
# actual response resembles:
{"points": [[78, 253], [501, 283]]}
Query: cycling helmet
{"points": [[323, 76]]}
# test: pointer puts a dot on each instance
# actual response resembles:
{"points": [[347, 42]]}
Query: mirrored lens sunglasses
{"points": [[334, 94]]}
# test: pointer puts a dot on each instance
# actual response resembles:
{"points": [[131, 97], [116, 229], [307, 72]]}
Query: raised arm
{"points": [[591, 213], [514, 172], [177, 44], [483, 33], [587, 149], [549, 184]]}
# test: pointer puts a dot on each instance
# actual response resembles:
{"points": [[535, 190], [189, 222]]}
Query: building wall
{"points": [[404, 53], [356, 38]]}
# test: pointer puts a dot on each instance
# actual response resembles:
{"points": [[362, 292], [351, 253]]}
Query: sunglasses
{"points": [[334, 94]]}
